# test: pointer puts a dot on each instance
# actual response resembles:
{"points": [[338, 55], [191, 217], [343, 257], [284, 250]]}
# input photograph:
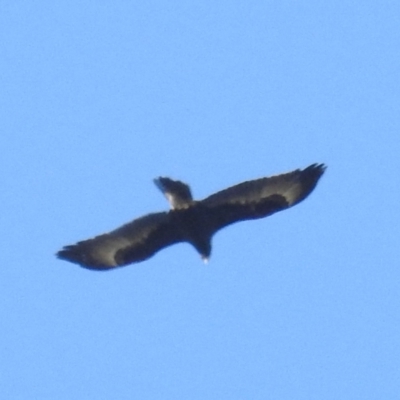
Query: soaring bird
{"points": [[192, 221]]}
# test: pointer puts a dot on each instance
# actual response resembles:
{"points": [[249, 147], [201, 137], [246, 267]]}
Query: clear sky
{"points": [[98, 98]]}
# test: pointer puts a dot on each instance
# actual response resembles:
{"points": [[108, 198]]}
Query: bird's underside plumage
{"points": [[192, 221]]}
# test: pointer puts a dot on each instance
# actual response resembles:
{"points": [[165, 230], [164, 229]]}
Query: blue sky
{"points": [[98, 98]]}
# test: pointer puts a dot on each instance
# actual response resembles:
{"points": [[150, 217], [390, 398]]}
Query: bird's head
{"points": [[204, 249]]}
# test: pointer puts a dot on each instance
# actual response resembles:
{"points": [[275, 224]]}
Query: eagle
{"points": [[192, 221]]}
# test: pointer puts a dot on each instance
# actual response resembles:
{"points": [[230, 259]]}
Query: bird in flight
{"points": [[192, 221]]}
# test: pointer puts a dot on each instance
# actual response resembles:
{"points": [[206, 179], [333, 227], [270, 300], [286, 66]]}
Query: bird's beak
{"points": [[205, 259]]}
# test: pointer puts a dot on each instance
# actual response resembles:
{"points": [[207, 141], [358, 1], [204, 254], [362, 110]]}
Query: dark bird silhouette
{"points": [[192, 221]]}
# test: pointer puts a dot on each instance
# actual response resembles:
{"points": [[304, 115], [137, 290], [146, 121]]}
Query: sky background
{"points": [[98, 98]]}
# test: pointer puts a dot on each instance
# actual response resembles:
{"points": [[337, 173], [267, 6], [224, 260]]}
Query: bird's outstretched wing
{"points": [[177, 193], [262, 197], [133, 242]]}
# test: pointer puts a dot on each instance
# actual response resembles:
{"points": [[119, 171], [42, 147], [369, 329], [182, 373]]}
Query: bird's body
{"points": [[192, 221]]}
